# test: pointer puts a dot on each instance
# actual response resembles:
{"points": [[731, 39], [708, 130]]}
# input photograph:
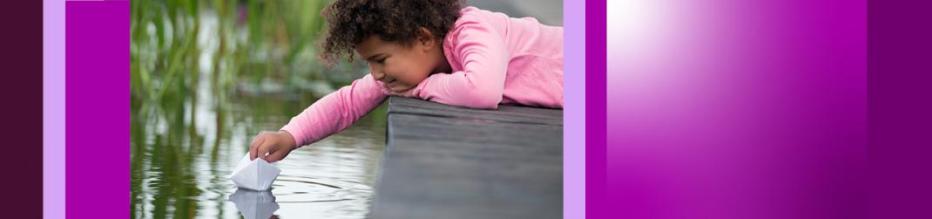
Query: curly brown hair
{"points": [[352, 21]]}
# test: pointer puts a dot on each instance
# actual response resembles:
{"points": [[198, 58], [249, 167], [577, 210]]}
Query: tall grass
{"points": [[243, 45]]}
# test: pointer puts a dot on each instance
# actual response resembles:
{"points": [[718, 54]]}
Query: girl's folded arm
{"points": [[481, 83], [335, 111]]}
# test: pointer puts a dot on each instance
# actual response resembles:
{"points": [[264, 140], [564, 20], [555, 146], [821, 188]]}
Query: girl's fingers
{"points": [[254, 147], [276, 156], [264, 149]]}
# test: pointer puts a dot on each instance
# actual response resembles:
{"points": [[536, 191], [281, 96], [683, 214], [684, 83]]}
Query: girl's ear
{"points": [[425, 38]]}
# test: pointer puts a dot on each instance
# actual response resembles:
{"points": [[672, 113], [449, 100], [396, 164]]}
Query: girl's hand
{"points": [[271, 146]]}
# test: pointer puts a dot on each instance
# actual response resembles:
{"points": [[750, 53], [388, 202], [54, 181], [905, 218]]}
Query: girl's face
{"points": [[401, 67]]}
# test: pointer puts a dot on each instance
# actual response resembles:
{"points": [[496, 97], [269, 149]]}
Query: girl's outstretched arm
{"points": [[484, 58], [336, 111]]}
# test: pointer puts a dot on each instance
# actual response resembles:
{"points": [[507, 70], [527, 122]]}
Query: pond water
{"points": [[181, 161]]}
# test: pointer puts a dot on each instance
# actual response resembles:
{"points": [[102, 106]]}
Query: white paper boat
{"points": [[254, 174], [254, 204]]}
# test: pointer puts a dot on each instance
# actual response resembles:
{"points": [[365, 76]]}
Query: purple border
{"points": [[574, 110], [53, 111], [899, 118], [595, 109], [97, 108]]}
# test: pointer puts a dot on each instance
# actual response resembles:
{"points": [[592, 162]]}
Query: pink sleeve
{"points": [[484, 58], [336, 111]]}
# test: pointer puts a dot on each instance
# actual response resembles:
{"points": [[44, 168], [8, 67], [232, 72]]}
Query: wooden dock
{"points": [[450, 162]]}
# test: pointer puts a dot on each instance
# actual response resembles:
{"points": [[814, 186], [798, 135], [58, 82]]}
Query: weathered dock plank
{"points": [[451, 162], [505, 113]]}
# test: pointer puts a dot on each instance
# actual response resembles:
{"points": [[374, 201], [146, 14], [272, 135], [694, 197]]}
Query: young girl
{"points": [[434, 50]]}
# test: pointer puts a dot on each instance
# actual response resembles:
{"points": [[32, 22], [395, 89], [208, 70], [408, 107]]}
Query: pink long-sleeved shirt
{"points": [[495, 59]]}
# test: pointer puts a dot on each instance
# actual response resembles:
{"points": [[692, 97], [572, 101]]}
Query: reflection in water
{"points": [[254, 204], [205, 81]]}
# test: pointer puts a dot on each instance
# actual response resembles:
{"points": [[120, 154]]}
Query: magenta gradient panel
{"points": [[736, 109]]}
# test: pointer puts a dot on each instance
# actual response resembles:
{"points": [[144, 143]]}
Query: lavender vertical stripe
{"points": [[737, 109], [53, 109], [97, 112], [574, 110]]}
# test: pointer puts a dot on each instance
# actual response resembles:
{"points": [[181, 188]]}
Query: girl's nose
{"points": [[376, 73]]}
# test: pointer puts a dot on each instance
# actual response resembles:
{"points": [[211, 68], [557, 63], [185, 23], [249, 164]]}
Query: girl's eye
{"points": [[381, 61]]}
